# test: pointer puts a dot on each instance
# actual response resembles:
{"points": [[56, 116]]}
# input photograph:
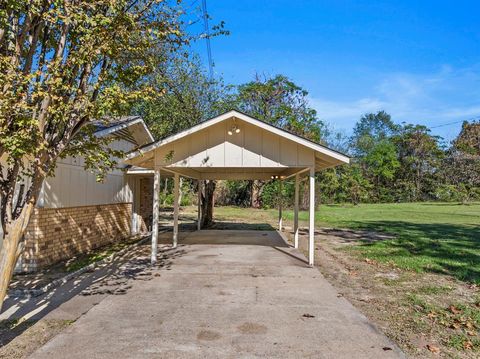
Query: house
{"points": [[75, 213]]}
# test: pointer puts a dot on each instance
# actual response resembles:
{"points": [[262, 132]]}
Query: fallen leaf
{"points": [[433, 348], [352, 273], [454, 309], [432, 315], [468, 344], [471, 333], [454, 326], [469, 325]]}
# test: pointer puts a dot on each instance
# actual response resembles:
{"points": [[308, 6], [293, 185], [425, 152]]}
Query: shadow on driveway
{"points": [[113, 278]]}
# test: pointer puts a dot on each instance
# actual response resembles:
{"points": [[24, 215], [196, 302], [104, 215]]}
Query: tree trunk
{"points": [[257, 187], [418, 184], [10, 250], [305, 196], [15, 220], [208, 203]]}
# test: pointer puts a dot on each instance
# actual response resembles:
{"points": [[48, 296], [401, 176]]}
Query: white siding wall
{"points": [[73, 186]]}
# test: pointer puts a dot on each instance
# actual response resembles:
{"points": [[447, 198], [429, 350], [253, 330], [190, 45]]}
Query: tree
{"points": [[208, 202], [278, 101], [189, 97], [371, 129], [328, 184], [353, 184], [337, 140], [382, 162], [468, 141], [460, 168], [419, 154], [63, 64]]}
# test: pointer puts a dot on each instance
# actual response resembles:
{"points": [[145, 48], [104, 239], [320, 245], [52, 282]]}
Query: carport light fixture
{"points": [[233, 129], [277, 177]]}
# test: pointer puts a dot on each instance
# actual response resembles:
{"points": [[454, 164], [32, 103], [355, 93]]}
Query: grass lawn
{"points": [[420, 285], [430, 237]]}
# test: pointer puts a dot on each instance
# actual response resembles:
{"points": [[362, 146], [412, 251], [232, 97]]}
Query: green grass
{"points": [[429, 237], [433, 289]]}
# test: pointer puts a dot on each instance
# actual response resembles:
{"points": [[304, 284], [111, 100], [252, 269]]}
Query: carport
{"points": [[235, 146]]}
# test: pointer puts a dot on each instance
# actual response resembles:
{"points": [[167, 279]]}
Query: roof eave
{"points": [[134, 121], [241, 116]]}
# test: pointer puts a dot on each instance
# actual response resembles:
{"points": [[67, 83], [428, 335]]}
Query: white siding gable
{"points": [[252, 147]]}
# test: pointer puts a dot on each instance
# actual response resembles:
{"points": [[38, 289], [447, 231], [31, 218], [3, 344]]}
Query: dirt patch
{"points": [[34, 334], [208, 335], [252, 328], [427, 315]]}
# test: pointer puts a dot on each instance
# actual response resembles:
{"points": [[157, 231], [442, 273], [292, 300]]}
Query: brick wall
{"points": [[145, 210], [54, 234]]}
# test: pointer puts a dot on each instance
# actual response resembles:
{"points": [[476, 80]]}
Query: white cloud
{"points": [[431, 99], [344, 113]]}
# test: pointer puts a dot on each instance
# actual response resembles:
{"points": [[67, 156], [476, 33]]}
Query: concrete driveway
{"points": [[223, 294]]}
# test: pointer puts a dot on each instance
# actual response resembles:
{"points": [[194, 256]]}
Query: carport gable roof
{"points": [[335, 157]]}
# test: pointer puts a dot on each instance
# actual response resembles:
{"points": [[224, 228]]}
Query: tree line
{"points": [[405, 162], [390, 162]]}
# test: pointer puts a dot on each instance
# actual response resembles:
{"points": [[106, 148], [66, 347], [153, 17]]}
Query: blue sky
{"points": [[417, 60]]}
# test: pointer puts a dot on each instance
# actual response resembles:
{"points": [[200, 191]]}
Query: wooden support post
{"points": [[311, 227], [295, 215], [176, 193], [156, 213], [199, 210], [280, 220]]}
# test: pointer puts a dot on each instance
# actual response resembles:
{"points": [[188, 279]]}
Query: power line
{"points": [[447, 124], [455, 122], [207, 33]]}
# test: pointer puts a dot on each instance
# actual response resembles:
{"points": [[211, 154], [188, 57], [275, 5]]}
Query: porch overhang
{"points": [[210, 150]]}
